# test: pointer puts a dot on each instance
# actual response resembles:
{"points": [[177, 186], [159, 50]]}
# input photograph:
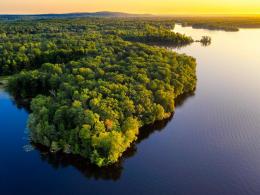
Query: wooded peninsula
{"points": [[94, 82]]}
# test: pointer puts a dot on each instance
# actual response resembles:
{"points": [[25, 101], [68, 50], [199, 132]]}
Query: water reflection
{"points": [[60, 160], [179, 101], [177, 47], [205, 44], [113, 172], [18, 102], [22, 103], [210, 147]]}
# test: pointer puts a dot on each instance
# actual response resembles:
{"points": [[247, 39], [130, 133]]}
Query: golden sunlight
{"points": [[133, 6]]}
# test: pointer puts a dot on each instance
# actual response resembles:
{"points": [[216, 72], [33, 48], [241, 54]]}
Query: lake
{"points": [[210, 146]]}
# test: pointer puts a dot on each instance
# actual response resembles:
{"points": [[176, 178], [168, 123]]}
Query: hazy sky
{"points": [[133, 6]]}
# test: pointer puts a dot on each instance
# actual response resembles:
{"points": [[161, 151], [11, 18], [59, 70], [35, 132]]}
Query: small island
{"points": [[205, 40]]}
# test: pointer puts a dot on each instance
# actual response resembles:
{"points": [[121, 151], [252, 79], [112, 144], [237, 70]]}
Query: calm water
{"points": [[210, 146]]}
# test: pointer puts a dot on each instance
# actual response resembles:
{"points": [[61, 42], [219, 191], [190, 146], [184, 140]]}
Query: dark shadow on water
{"points": [[179, 101], [60, 160], [22, 104], [148, 130], [204, 43]]}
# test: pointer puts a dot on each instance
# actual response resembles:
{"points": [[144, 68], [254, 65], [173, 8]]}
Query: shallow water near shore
{"points": [[210, 146]]}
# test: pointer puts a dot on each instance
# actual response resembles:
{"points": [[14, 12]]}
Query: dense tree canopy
{"points": [[91, 89], [28, 44]]}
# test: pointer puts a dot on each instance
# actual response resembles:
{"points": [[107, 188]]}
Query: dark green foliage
{"points": [[205, 40], [91, 91], [156, 35], [28, 44]]}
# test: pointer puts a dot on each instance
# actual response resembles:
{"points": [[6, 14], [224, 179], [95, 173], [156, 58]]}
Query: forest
{"points": [[94, 82], [226, 23]]}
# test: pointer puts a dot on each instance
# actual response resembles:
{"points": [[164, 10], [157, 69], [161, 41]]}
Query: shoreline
{"points": [[3, 81]]}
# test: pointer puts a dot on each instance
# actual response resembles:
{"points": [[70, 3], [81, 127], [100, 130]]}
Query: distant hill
{"points": [[71, 15]]}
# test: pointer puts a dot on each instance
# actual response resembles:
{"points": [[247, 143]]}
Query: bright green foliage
{"points": [[155, 35], [93, 99]]}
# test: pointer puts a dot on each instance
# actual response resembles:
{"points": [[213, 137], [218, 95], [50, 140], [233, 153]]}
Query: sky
{"points": [[165, 7]]}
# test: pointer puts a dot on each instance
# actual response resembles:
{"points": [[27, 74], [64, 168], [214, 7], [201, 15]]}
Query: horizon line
{"points": [[134, 13]]}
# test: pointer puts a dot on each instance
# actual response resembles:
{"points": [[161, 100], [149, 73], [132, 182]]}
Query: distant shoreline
{"points": [[229, 23]]}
